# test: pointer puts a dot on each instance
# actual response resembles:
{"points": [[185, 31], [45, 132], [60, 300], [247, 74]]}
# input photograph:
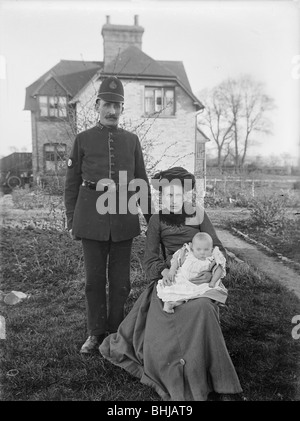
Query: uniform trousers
{"points": [[106, 261]]}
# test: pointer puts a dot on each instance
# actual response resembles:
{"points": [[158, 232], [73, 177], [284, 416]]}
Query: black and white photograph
{"points": [[150, 203]]}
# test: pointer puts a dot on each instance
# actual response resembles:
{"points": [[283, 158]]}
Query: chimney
{"points": [[116, 38]]}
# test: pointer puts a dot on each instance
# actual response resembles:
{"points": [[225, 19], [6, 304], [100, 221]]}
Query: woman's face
{"points": [[173, 198]]}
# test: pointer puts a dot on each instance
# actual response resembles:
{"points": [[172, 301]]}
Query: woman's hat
{"points": [[172, 174], [111, 90]]}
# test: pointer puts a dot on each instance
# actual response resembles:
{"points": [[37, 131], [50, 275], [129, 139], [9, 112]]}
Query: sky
{"points": [[214, 39]]}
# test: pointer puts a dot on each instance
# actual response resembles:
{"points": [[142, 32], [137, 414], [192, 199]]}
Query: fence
{"points": [[254, 187]]}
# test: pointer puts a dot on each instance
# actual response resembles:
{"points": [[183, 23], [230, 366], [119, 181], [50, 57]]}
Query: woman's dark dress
{"points": [[183, 355]]}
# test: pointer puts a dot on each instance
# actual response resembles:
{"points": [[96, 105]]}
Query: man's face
{"points": [[109, 112]]}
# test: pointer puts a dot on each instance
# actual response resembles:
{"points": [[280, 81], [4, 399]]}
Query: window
{"points": [[53, 106], [55, 157], [159, 101]]}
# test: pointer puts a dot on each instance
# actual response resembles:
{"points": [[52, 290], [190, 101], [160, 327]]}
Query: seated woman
{"points": [[183, 355]]}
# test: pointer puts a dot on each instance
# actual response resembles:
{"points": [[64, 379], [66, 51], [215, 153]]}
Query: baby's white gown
{"points": [[183, 289]]}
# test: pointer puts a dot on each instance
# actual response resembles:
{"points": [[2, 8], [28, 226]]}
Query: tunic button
{"points": [[112, 163], [113, 172], [182, 361], [112, 156]]}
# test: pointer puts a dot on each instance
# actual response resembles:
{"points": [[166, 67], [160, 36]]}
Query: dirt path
{"points": [[266, 264]]}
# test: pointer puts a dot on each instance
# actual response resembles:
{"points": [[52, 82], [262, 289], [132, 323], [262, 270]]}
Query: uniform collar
{"points": [[101, 127]]}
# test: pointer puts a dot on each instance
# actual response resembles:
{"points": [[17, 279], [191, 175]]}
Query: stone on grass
{"points": [[14, 297], [19, 294]]}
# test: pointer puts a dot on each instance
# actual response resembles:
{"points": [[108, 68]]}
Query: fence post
{"points": [[253, 190], [215, 186]]}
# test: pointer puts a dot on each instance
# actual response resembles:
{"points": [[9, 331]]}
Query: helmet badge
{"points": [[113, 85]]}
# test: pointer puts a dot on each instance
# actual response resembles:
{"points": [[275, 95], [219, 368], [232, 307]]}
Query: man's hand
{"points": [[203, 278], [72, 235]]}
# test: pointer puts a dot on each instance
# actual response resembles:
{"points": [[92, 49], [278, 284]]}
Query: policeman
{"points": [[99, 157]]}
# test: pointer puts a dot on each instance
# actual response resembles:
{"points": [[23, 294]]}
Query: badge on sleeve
{"points": [[70, 163]]}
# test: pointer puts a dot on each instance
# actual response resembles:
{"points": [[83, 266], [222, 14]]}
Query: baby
{"points": [[186, 264]]}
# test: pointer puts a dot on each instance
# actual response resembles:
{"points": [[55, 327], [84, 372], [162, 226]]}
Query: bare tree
{"points": [[246, 107], [213, 121], [236, 110]]}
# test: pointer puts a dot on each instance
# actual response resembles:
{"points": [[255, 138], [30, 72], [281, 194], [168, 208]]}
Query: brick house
{"points": [[159, 104]]}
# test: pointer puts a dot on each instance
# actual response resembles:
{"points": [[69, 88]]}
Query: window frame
{"points": [[46, 105], [160, 113], [54, 154]]}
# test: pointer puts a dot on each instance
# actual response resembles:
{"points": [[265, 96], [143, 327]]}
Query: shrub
{"points": [[215, 201], [268, 211], [52, 208], [296, 185], [53, 185], [24, 199]]}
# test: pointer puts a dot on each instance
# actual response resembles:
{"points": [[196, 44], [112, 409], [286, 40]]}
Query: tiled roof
{"points": [[132, 63], [135, 62], [177, 67], [72, 75]]}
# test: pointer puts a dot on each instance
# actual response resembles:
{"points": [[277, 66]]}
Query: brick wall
{"points": [[172, 138], [48, 132]]}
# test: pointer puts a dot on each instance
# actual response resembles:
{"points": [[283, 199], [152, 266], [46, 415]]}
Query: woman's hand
{"points": [[165, 280], [171, 275], [203, 278]]}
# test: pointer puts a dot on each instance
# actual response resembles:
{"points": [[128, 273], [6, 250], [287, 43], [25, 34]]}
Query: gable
{"points": [[71, 75], [51, 88]]}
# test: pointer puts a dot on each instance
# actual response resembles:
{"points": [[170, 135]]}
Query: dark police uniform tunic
{"points": [[100, 153]]}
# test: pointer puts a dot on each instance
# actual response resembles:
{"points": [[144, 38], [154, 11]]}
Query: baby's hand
{"points": [[212, 284], [171, 275], [182, 256]]}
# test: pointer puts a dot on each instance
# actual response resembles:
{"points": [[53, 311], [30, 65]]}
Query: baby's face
{"points": [[202, 249]]}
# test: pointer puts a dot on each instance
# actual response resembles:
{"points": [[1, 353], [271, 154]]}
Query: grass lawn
{"points": [[283, 239], [45, 332]]}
